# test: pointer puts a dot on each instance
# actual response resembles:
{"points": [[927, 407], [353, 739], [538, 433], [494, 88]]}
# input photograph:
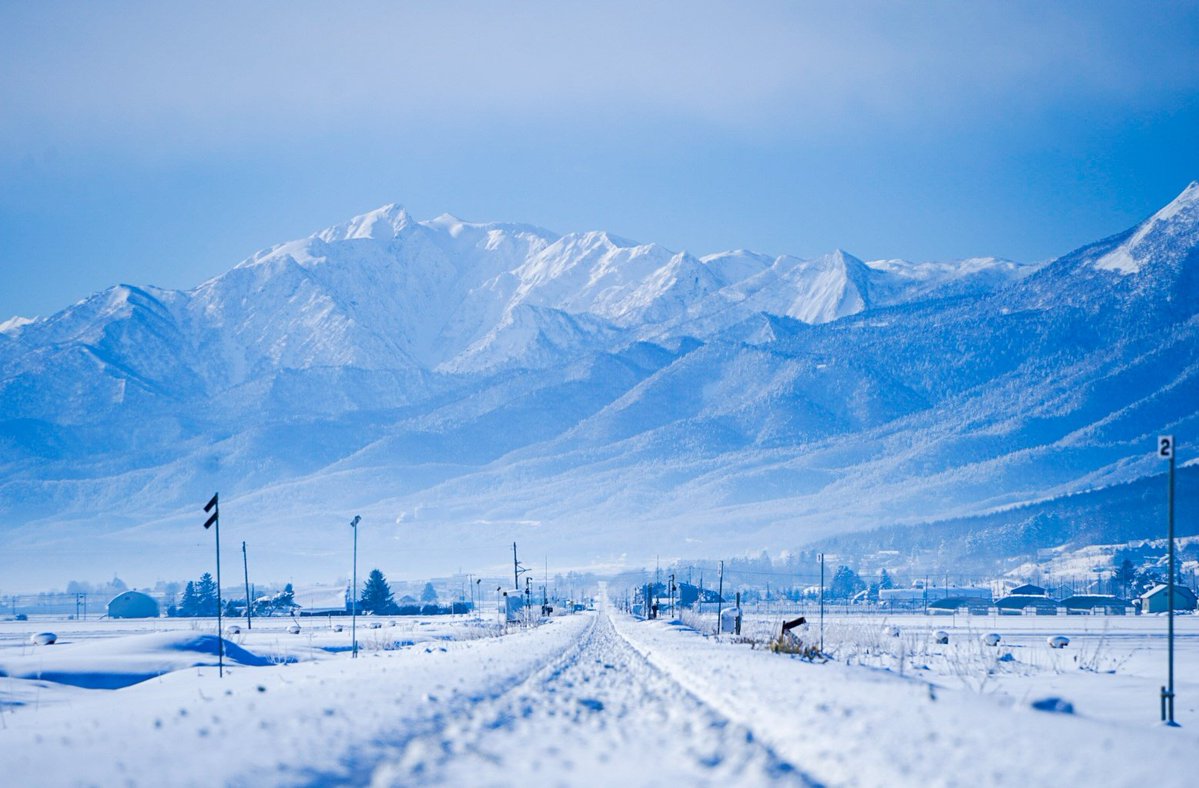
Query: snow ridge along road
{"points": [[858, 725], [603, 714]]}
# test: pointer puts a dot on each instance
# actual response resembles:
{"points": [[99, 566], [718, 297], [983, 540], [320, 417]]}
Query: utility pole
{"points": [[822, 603], [1165, 450], [517, 571], [214, 506], [672, 595], [720, 597], [245, 568], [354, 592]]}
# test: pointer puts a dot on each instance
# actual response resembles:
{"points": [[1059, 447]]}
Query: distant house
{"points": [[963, 592], [975, 605], [1016, 604], [899, 598], [132, 604], [1154, 600], [1028, 589], [1095, 603]]}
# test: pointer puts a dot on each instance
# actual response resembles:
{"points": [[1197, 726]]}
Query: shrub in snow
{"points": [[233, 629], [991, 639], [338, 627], [892, 631], [294, 629], [43, 639], [941, 636], [1054, 705], [789, 643], [1059, 641]]}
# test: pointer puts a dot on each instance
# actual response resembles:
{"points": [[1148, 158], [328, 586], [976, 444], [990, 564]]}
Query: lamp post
{"points": [[354, 591]]}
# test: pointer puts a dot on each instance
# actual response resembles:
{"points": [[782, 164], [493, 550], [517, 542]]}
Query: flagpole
{"points": [[214, 506]]}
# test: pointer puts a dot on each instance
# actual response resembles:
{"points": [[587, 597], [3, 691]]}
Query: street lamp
{"points": [[354, 590]]}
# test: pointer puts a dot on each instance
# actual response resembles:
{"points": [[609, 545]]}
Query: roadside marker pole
{"points": [[720, 597], [354, 596], [214, 506], [245, 568], [822, 603], [1165, 450]]}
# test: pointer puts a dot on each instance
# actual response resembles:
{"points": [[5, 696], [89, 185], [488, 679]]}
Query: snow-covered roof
{"points": [[1161, 588], [1093, 600]]}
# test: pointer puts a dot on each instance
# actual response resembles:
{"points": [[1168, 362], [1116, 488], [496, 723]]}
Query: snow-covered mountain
{"points": [[468, 382]]}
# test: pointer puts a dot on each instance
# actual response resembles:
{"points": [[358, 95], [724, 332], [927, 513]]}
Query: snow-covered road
{"points": [[590, 699], [600, 714]]}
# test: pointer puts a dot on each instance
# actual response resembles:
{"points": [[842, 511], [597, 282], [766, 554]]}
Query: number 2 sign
{"points": [[1165, 446]]}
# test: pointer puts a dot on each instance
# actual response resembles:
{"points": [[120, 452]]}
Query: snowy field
{"points": [[594, 699], [1112, 669]]}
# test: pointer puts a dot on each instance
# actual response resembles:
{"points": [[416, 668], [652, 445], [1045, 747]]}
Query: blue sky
{"points": [[161, 144]]}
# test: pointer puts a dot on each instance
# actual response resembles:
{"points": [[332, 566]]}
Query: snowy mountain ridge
{"points": [[385, 291], [442, 373]]}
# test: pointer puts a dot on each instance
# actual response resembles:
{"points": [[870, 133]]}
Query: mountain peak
{"points": [[1165, 236], [14, 323], [842, 257], [1188, 195], [381, 224]]}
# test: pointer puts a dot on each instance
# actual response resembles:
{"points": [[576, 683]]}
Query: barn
{"points": [[1154, 600], [132, 604]]}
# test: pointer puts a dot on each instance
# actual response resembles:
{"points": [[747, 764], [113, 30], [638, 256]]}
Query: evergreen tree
{"points": [[884, 580], [1125, 575], [376, 595], [206, 592], [285, 601], [845, 583], [429, 595], [190, 604]]}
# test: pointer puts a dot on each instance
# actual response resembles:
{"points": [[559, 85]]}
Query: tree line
{"points": [[377, 598], [199, 599]]}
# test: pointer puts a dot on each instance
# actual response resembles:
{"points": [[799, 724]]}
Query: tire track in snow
{"points": [[602, 714], [360, 763]]}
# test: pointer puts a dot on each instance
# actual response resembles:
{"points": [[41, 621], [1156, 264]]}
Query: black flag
{"points": [[208, 507]]}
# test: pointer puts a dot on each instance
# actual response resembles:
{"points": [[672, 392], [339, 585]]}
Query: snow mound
{"points": [[120, 662]]}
